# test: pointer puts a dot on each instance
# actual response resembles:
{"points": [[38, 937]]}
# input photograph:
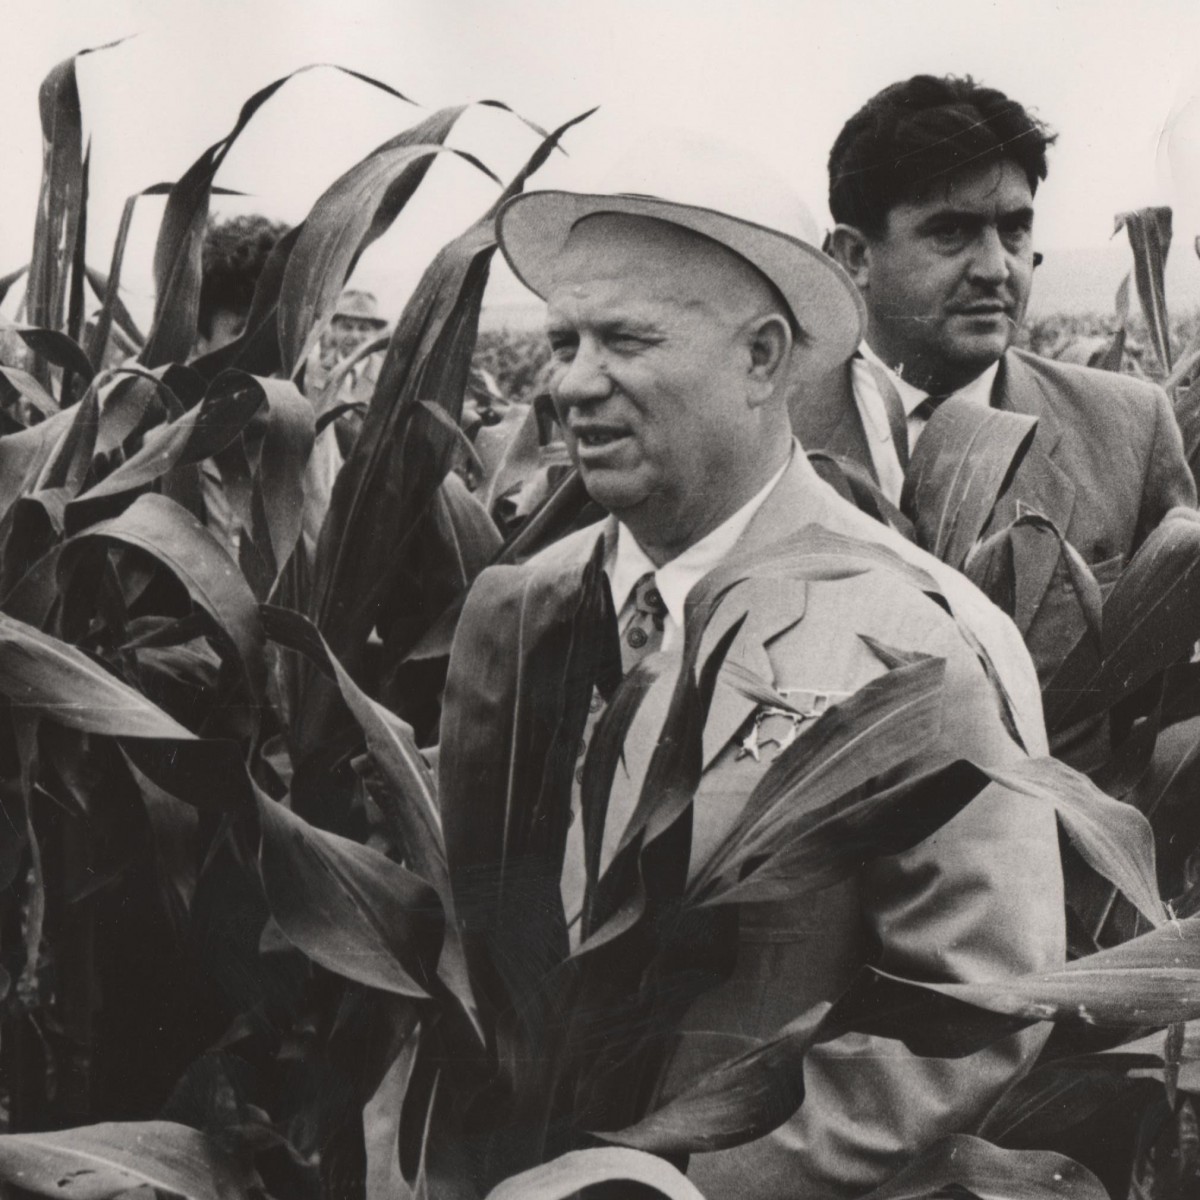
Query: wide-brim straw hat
{"points": [[717, 192], [361, 306]]}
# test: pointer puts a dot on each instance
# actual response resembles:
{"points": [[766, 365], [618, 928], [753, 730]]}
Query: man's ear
{"points": [[770, 344], [850, 249]]}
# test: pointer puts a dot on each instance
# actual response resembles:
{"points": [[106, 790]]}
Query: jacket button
{"points": [[636, 637]]}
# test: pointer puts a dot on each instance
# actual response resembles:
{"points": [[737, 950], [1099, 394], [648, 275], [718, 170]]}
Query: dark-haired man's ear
{"points": [[848, 247], [770, 342]]}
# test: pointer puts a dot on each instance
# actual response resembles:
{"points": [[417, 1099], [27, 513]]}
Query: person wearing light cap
{"points": [[684, 302]]}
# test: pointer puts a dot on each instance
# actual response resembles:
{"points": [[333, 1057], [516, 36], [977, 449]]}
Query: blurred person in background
{"points": [[932, 186], [234, 254], [355, 321], [333, 376], [232, 259]]}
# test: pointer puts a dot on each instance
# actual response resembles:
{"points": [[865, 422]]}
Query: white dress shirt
{"points": [[629, 562], [873, 410]]}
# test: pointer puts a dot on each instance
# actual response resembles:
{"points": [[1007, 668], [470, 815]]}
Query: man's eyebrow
{"points": [[970, 216], [1024, 213], [626, 323]]}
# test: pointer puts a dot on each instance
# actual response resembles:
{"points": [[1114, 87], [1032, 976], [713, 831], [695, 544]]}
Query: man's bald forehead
{"points": [[619, 244]]}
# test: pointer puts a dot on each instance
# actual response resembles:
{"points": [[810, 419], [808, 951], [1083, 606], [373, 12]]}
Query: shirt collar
{"points": [[629, 562], [979, 390]]}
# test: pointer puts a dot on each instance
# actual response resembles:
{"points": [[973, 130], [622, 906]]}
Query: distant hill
{"points": [[1068, 281]]}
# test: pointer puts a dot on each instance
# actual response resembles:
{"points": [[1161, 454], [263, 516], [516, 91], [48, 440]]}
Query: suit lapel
{"points": [[770, 606], [1040, 483], [825, 417]]}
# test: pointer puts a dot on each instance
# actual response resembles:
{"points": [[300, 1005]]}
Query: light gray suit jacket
{"points": [[981, 899], [1106, 464]]}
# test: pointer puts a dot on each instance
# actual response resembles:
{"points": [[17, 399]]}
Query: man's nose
{"points": [[583, 380], [989, 262]]}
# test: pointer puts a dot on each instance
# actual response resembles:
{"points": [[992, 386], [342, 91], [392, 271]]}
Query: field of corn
{"points": [[253, 943]]}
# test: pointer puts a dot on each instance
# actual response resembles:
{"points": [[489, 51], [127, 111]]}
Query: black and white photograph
{"points": [[600, 601]]}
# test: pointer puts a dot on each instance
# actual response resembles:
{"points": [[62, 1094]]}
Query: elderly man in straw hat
{"points": [[683, 305]]}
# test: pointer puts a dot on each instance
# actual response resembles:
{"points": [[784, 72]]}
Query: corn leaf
{"points": [[600, 765], [274, 447], [348, 907], [410, 797], [520, 681], [177, 253], [402, 454], [30, 390], [1113, 837], [112, 308], [6, 281], [962, 464], [352, 213], [1055, 1097], [25, 735], [802, 827], [42, 675], [201, 432], [565, 1176], [1186, 401], [854, 483], [1149, 231], [55, 347], [747, 1096], [59, 201], [1150, 980], [173, 537], [1112, 358], [401, 783], [656, 842], [567, 508], [1150, 620], [737, 1101], [35, 531], [96, 1162], [450, 548], [1001, 563], [69, 462], [75, 291], [966, 1166]]}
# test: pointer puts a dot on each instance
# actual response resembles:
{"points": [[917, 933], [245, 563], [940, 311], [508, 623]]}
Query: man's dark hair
{"points": [[235, 251], [916, 132]]}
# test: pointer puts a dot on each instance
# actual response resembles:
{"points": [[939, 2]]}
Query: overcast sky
{"points": [[1119, 81]]}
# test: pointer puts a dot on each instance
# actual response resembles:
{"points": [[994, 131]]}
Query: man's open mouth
{"points": [[990, 309]]}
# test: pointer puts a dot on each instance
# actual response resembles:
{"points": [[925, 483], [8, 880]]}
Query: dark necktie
{"points": [[930, 405], [643, 634], [898, 419]]}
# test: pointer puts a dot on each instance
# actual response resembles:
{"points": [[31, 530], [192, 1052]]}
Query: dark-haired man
{"points": [[932, 186]]}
